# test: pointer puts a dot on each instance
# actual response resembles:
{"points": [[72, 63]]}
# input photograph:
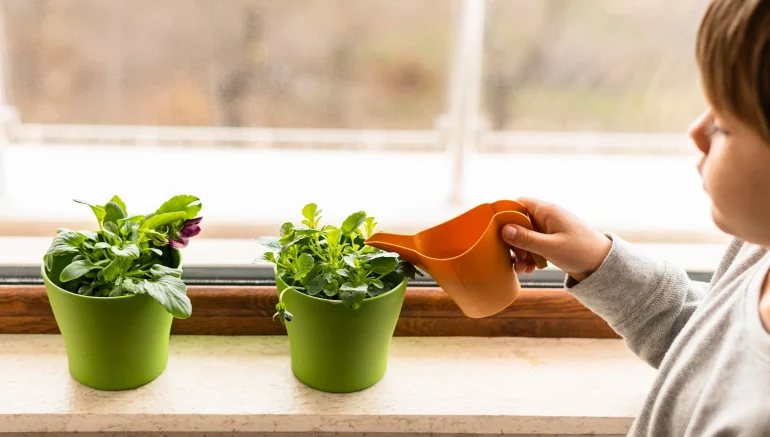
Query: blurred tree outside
{"points": [[597, 65], [548, 64]]}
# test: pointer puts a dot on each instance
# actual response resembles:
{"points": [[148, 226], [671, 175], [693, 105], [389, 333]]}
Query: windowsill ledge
{"points": [[244, 384]]}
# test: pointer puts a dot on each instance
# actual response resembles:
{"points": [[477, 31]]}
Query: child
{"points": [[709, 342]]}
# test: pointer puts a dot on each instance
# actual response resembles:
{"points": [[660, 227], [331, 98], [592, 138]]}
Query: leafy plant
{"points": [[333, 262], [129, 254]]}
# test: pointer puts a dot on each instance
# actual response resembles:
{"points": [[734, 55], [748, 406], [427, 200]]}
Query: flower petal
{"points": [[178, 244], [190, 231], [194, 221]]}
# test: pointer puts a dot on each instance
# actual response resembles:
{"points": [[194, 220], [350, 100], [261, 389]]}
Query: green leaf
{"points": [[350, 260], [299, 241], [113, 212], [306, 232], [343, 272], [117, 200], [129, 251], [164, 219], [408, 270], [369, 225], [376, 283], [112, 271], [286, 229], [312, 215], [98, 211], [71, 286], [169, 291], [88, 235], [269, 242], [333, 237], [111, 229], [65, 242], [86, 290], [102, 245], [131, 286], [156, 237], [118, 289], [353, 222], [133, 219], [316, 285], [312, 274], [75, 270], [305, 263], [374, 291], [273, 247], [159, 270], [189, 205], [353, 296], [286, 232], [331, 289], [156, 251], [310, 211], [380, 254], [383, 266], [129, 229]]}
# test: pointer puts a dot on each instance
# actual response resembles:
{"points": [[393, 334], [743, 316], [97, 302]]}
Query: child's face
{"points": [[736, 175]]}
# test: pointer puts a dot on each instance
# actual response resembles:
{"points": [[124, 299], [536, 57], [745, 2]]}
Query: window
{"points": [[412, 110]]}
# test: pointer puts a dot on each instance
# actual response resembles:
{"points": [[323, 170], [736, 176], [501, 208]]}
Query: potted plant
{"points": [[338, 298], [114, 291]]}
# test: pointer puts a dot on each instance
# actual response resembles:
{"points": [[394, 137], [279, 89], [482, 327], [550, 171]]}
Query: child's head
{"points": [[733, 55]]}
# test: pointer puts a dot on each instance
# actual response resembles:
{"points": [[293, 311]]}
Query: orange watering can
{"points": [[467, 257]]}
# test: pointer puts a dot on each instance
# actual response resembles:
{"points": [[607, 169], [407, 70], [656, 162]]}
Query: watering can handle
{"points": [[522, 219]]}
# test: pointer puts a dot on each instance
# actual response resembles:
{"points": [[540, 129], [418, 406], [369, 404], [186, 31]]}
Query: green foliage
{"points": [[128, 254], [333, 263]]}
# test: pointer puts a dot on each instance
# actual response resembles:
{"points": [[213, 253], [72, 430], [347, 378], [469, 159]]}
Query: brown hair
{"points": [[733, 54]]}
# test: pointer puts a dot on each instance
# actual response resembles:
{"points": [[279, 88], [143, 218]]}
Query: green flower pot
{"points": [[112, 343], [337, 349]]}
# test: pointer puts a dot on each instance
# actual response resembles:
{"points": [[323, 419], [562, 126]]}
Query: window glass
{"points": [[411, 110]]}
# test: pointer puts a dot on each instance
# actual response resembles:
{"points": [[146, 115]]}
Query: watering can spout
{"points": [[403, 245]]}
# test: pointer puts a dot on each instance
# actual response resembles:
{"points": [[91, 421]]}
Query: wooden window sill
{"points": [[427, 312]]}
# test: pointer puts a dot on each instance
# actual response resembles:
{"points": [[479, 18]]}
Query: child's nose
{"points": [[699, 132]]}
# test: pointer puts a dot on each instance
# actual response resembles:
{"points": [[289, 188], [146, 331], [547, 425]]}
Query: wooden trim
{"points": [[544, 313]]}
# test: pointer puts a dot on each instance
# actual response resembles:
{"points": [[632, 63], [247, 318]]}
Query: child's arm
{"points": [[644, 300]]}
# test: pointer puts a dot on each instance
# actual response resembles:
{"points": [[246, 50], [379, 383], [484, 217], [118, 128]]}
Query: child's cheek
{"points": [[716, 172]]}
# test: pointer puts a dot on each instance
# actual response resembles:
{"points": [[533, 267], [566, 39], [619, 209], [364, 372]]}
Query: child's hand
{"points": [[563, 239]]}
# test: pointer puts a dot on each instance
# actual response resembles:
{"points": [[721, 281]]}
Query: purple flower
{"points": [[179, 243], [191, 222], [190, 228]]}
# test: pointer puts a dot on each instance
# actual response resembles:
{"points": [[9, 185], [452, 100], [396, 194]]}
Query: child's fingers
{"points": [[521, 254]]}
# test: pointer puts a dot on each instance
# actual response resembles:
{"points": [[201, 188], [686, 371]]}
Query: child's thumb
{"points": [[525, 239]]}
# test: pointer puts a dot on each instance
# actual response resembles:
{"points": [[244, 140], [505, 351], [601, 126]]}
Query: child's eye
{"points": [[712, 129]]}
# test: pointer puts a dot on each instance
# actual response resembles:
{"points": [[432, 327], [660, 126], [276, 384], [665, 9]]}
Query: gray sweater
{"points": [[706, 340]]}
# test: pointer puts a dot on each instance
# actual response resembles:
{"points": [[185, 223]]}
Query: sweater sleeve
{"points": [[644, 300]]}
